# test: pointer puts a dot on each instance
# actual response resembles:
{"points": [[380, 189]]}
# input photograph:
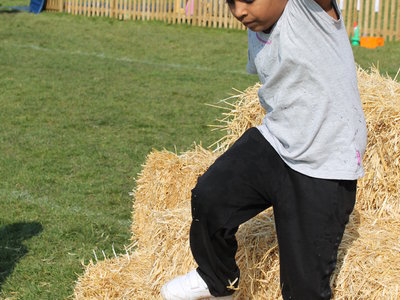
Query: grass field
{"points": [[83, 101]]}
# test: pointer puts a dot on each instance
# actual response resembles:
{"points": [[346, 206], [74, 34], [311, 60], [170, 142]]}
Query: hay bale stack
{"points": [[369, 256]]}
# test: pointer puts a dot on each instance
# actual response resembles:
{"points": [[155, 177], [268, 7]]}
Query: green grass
{"points": [[83, 101], [386, 58], [6, 3]]}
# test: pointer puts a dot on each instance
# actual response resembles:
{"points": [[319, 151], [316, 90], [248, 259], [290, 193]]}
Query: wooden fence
{"points": [[374, 17]]}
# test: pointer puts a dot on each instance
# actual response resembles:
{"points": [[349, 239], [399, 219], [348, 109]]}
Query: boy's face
{"points": [[257, 15]]}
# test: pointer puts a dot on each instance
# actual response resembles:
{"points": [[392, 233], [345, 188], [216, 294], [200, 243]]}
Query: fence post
{"points": [[398, 21], [392, 17]]}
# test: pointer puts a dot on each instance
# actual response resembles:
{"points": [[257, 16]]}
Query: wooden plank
{"points": [[126, 9], [169, 13], [385, 20], [188, 12], [192, 11], [133, 10], [209, 13], [84, 7], [185, 4], [398, 21], [178, 8], [392, 33], [183, 10], [152, 10], [214, 11], [167, 8], [379, 19], [200, 13], [67, 6], [204, 14], [198, 9], [161, 15], [142, 9], [373, 19], [230, 20], [106, 8], [174, 14], [361, 17], [148, 9], [156, 10], [226, 16], [220, 13], [89, 7], [349, 16], [367, 4]]}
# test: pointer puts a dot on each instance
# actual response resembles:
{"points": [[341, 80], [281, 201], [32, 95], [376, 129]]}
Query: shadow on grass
{"points": [[12, 248]]}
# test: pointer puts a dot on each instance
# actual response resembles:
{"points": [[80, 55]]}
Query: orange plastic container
{"points": [[371, 42]]}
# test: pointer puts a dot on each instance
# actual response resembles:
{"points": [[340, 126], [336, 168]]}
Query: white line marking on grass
{"points": [[26, 197], [127, 59]]}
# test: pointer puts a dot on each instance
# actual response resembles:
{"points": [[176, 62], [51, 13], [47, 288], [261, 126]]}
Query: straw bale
{"points": [[369, 256], [117, 278], [370, 269]]}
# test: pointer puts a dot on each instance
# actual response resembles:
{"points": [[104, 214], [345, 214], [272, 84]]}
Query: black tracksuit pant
{"points": [[310, 216]]}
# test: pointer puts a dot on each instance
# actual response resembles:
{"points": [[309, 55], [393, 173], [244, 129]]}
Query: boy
{"points": [[304, 160]]}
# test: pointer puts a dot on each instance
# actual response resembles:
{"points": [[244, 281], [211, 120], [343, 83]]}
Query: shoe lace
{"points": [[231, 285]]}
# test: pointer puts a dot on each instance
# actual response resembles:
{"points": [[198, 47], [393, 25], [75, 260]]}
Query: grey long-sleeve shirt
{"points": [[309, 88]]}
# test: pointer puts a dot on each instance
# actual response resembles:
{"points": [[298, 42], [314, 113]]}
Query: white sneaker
{"points": [[188, 287]]}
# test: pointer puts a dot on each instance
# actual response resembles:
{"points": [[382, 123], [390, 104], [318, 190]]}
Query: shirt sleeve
{"points": [[251, 67]]}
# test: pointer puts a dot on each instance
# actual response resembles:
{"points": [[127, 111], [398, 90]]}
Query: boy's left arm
{"points": [[328, 7]]}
